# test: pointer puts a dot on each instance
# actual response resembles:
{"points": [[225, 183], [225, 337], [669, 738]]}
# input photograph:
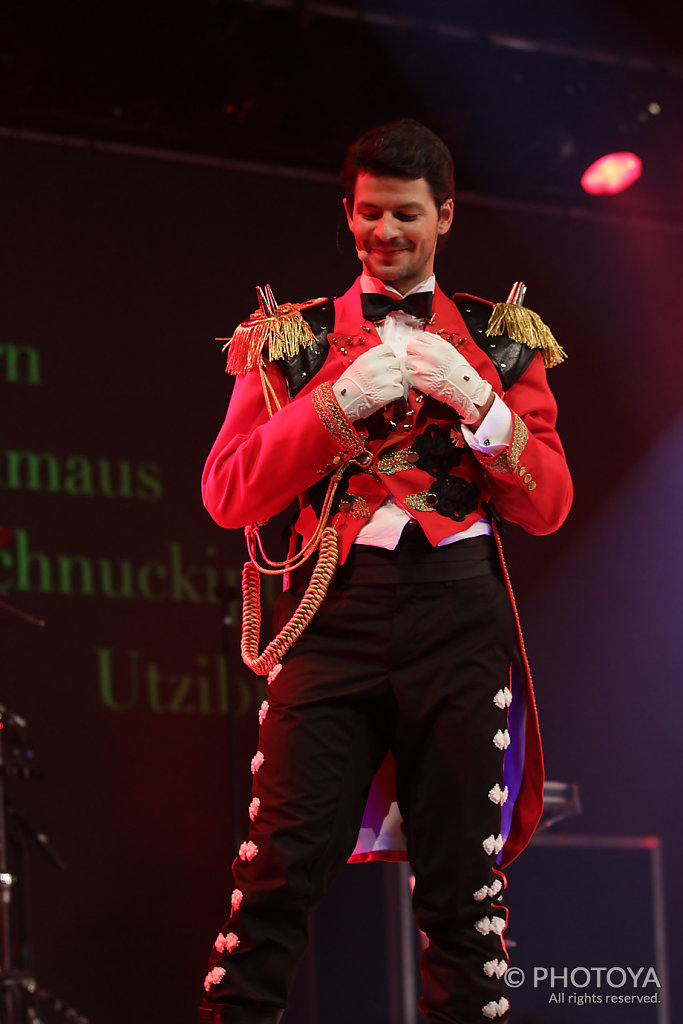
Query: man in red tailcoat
{"points": [[401, 722]]}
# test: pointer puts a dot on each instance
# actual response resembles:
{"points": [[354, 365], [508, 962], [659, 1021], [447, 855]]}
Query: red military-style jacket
{"points": [[260, 463]]}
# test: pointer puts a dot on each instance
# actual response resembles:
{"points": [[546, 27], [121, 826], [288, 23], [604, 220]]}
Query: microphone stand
{"points": [[22, 1000], [21, 997]]}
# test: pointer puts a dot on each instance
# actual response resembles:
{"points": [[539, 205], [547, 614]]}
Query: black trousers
{"points": [[395, 660]]}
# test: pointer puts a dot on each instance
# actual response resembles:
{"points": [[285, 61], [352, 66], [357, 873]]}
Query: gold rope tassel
{"points": [[524, 325], [284, 332], [315, 593], [325, 538]]}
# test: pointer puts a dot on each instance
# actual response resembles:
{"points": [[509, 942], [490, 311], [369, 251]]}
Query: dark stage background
{"points": [[118, 271]]}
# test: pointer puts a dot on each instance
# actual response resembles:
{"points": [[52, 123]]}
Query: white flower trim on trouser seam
{"points": [[493, 1009]]}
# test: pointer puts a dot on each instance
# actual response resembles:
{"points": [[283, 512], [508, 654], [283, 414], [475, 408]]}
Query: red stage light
{"points": [[611, 174]]}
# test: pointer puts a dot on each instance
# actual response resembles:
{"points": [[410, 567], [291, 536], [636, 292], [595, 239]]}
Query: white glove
{"points": [[370, 382], [437, 368]]}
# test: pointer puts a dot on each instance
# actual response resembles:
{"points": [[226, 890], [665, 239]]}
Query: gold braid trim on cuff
{"points": [[520, 436], [334, 420], [497, 464], [507, 461]]}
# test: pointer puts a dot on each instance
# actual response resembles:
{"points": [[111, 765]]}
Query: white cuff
{"points": [[494, 433]]}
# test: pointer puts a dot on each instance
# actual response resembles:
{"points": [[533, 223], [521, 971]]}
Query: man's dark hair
{"points": [[402, 149]]}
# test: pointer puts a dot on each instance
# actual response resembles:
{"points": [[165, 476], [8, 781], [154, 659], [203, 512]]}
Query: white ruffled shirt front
{"points": [[384, 528]]}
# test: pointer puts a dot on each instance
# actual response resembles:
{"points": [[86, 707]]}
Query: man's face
{"points": [[397, 223]]}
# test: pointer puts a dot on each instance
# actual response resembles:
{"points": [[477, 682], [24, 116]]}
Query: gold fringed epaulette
{"points": [[281, 330], [523, 325]]}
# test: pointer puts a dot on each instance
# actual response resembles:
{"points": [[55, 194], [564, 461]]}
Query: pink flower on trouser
{"points": [[256, 762], [496, 1009], [213, 977], [498, 795], [248, 851], [262, 712], [495, 967], [254, 808], [226, 943], [502, 739], [236, 899], [231, 942], [490, 924], [493, 844], [488, 891]]}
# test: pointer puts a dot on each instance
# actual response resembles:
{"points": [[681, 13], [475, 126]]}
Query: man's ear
{"points": [[445, 217], [348, 207]]}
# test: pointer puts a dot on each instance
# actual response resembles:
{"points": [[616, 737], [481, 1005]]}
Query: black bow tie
{"points": [[376, 307]]}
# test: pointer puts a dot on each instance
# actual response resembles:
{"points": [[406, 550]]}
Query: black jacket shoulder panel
{"points": [[299, 369], [509, 357]]}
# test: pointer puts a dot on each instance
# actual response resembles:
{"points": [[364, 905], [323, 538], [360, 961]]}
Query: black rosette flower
{"points": [[437, 452], [455, 497]]}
